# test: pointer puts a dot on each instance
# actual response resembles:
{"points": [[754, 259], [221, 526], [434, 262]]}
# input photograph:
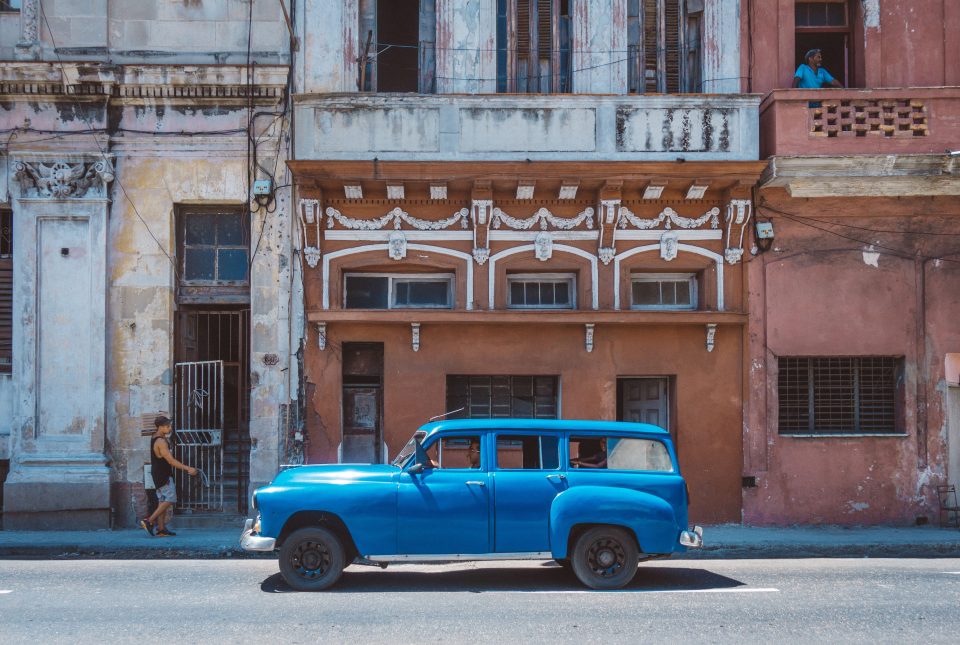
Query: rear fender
{"points": [[649, 517]]}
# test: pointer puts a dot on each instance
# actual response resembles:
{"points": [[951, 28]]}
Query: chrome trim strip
{"points": [[460, 557], [250, 541]]}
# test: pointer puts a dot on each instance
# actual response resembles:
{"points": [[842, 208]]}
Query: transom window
{"points": [[541, 291], [839, 394], [663, 291], [485, 397], [215, 247], [398, 291]]}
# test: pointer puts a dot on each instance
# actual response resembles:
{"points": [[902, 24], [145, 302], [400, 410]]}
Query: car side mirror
{"points": [[415, 469]]}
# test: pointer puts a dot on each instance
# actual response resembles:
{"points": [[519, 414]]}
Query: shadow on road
{"points": [[546, 579]]}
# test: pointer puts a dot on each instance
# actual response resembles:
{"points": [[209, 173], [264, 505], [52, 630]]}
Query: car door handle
{"points": [[476, 483], [557, 477]]}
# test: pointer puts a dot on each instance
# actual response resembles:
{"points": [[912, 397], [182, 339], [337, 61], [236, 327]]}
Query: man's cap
{"points": [[810, 54], [161, 421]]}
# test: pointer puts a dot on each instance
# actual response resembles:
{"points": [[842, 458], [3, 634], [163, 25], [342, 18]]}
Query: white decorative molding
{"points": [[310, 210], [606, 253], [28, 47], [653, 191], [711, 334], [668, 246], [568, 190], [328, 258], [688, 248], [530, 236], [655, 234], [353, 192], [63, 179], [321, 328], [343, 235], [608, 210], [438, 191], [588, 336], [312, 255], [739, 212], [396, 217], [525, 190], [481, 255], [480, 211], [543, 217], [398, 246], [697, 191], [415, 336], [395, 191], [668, 217], [557, 248], [543, 246]]}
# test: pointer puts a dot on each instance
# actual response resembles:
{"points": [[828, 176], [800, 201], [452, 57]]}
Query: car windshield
{"points": [[409, 449]]}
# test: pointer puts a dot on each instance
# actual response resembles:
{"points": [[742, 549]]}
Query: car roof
{"points": [[583, 426]]}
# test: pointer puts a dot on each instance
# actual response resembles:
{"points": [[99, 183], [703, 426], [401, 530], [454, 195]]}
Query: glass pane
{"points": [[425, 294], [550, 447], [366, 293], [637, 454], [646, 293], [668, 294], [835, 15], [198, 264], [516, 294], [683, 293], [232, 264], [546, 293], [200, 229], [230, 230], [532, 293], [402, 297], [561, 292]]}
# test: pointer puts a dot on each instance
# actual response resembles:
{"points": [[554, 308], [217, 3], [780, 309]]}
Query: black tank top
{"points": [[159, 466]]}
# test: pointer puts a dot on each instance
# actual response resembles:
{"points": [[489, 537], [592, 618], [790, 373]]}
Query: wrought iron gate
{"points": [[198, 415]]}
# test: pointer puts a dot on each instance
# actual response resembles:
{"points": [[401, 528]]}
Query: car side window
{"points": [[528, 452], [455, 453], [619, 453]]}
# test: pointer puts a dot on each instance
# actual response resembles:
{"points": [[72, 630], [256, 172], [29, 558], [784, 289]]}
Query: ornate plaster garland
{"points": [[543, 217], [669, 217], [396, 216]]}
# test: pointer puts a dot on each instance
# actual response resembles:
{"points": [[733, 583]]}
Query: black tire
{"points": [[311, 559], [605, 557]]}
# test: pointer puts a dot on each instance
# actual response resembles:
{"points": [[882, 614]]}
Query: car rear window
{"points": [[619, 453]]}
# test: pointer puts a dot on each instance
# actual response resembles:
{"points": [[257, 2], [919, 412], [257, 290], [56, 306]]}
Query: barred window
{"points": [[485, 397], [839, 395]]}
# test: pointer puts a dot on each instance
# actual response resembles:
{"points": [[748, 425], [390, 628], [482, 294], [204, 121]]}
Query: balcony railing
{"points": [[850, 121], [660, 127]]}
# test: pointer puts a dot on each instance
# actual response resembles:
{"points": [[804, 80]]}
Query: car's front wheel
{"points": [[605, 557], [311, 559]]}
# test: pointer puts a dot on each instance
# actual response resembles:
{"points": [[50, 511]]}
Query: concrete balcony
{"points": [[846, 122], [500, 127]]}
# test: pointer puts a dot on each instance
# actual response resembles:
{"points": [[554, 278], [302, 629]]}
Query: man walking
{"points": [[162, 463]]}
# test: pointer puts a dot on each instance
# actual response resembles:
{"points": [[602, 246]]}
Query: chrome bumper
{"points": [[250, 541], [692, 539]]}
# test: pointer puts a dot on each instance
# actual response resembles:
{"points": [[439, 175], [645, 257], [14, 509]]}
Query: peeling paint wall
{"points": [[816, 294]]}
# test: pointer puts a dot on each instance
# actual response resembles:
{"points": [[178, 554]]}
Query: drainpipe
{"points": [[920, 270]]}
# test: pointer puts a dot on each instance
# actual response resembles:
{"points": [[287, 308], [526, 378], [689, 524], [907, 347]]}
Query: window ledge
{"points": [[851, 435], [530, 316]]}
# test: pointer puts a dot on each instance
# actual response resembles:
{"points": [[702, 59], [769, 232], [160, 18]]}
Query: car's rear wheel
{"points": [[605, 557], [311, 559]]}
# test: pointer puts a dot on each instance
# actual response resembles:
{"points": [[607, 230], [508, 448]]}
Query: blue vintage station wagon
{"points": [[598, 497]]}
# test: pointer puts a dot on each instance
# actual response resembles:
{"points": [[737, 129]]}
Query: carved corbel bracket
{"points": [[415, 336], [321, 328], [588, 329], [310, 217], [711, 334], [481, 213], [739, 212]]}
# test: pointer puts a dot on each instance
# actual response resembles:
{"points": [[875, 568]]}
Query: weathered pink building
{"points": [[852, 417]]}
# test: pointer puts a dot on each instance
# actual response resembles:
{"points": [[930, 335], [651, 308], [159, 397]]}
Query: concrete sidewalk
{"points": [[727, 541]]}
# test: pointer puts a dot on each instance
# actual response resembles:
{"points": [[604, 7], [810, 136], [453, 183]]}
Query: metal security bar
{"points": [[838, 395], [198, 414]]}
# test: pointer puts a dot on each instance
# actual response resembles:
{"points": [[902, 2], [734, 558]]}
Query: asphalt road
{"points": [[714, 601]]}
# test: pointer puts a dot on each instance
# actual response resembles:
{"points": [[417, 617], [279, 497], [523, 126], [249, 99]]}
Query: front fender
{"points": [[650, 518]]}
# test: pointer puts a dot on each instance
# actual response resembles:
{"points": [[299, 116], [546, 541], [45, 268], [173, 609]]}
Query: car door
{"points": [[527, 477], [446, 508]]}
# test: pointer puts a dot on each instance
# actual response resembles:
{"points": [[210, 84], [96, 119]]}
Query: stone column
{"points": [[29, 46], [59, 477]]}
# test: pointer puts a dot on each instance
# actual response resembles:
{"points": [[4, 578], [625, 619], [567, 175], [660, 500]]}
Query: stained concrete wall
{"points": [[896, 43], [817, 294]]}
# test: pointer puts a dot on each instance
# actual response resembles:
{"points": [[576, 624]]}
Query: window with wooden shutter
{"points": [[533, 43], [663, 38], [6, 291]]}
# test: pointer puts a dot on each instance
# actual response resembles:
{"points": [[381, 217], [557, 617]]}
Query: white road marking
{"points": [[6, 590], [952, 573], [725, 590]]}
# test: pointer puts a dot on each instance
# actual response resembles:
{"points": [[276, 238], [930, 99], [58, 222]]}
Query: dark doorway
{"points": [[398, 45], [825, 26], [219, 334], [362, 403]]}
